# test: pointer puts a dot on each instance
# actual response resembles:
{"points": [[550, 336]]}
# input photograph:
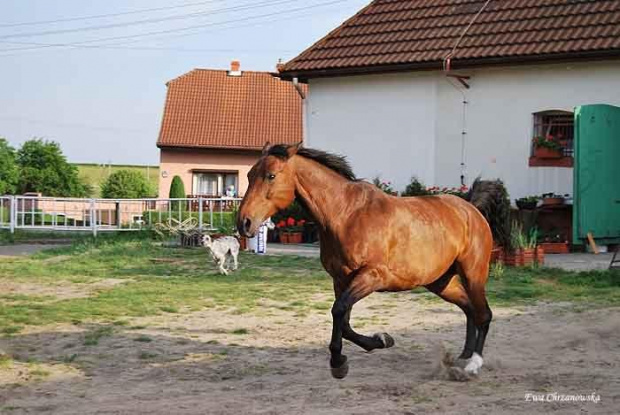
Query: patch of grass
{"points": [[143, 339], [191, 282], [5, 361], [146, 355], [12, 329], [526, 285], [92, 337], [240, 331]]}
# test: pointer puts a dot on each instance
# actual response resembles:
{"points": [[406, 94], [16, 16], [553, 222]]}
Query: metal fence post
{"points": [[93, 224], [12, 213], [200, 214]]}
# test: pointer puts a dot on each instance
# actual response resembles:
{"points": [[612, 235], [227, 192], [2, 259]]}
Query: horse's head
{"points": [[271, 188]]}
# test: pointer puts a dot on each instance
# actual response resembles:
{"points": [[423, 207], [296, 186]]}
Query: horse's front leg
{"points": [[362, 284], [377, 341]]}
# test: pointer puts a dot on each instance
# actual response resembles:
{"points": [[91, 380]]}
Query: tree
{"points": [[177, 188], [126, 184], [9, 172], [415, 188], [44, 169], [177, 191]]}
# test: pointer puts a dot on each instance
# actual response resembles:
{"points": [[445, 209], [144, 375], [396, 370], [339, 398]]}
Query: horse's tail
{"points": [[491, 199]]}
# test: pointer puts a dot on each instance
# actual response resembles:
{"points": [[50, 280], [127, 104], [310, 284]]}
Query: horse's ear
{"points": [[266, 148], [292, 150]]}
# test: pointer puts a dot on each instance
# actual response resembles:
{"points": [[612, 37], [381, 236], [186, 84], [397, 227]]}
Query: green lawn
{"points": [[95, 174], [157, 280]]}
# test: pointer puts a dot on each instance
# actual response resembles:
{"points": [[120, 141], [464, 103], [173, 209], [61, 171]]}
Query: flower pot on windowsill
{"points": [[552, 201], [547, 153]]}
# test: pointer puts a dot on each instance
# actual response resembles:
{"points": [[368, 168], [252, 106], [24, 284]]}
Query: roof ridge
{"points": [[400, 34]]}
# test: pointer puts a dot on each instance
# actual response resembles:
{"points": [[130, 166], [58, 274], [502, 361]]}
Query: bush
{"points": [[385, 186], [295, 211], [126, 184], [44, 169], [177, 188], [177, 191], [9, 173], [415, 188]]}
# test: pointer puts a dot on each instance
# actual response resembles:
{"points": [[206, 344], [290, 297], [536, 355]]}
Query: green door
{"points": [[597, 174]]}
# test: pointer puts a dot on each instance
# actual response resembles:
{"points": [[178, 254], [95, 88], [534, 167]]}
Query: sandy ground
{"points": [[278, 363]]}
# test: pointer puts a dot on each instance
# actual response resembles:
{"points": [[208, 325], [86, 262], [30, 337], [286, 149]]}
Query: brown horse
{"points": [[371, 241]]}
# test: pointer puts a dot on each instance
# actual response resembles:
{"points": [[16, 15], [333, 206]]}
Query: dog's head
{"points": [[207, 241]]}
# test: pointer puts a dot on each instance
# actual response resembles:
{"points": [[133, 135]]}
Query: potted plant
{"points": [[527, 203], [552, 199], [547, 147], [518, 241], [529, 249], [290, 230]]}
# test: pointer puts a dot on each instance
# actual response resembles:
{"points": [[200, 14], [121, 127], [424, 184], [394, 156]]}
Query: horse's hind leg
{"points": [[450, 288], [475, 272]]}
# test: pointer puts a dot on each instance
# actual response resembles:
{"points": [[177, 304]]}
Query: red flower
{"points": [[281, 224], [290, 222], [301, 222]]}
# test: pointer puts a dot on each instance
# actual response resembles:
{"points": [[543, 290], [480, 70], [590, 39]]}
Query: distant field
{"points": [[95, 174]]}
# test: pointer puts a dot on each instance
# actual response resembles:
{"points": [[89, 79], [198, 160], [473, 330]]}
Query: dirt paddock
{"points": [[218, 362]]}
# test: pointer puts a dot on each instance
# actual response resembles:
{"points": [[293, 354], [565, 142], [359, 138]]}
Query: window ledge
{"points": [[559, 162]]}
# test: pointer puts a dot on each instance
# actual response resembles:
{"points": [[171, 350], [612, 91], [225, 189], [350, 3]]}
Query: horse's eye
{"points": [[271, 176]]}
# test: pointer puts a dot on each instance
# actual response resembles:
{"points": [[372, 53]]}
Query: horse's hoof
{"points": [[386, 339], [340, 372], [474, 365]]}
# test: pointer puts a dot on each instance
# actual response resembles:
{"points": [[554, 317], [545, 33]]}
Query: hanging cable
{"points": [[447, 67]]}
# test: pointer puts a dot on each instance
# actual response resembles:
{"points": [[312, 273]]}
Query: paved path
{"points": [[570, 262], [310, 250], [578, 262]]}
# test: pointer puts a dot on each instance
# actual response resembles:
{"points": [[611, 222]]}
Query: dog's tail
{"points": [[491, 199]]}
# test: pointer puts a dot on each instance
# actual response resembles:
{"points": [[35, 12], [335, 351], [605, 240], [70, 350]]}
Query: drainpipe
{"points": [[304, 124]]}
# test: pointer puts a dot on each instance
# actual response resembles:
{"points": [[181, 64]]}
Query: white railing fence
{"points": [[97, 215]]}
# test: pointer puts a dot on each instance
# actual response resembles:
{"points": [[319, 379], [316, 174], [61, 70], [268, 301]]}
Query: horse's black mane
{"points": [[334, 162]]}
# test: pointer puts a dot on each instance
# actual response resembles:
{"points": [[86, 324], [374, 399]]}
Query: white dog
{"points": [[221, 248]]}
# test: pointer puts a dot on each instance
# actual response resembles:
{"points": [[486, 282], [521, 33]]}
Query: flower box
{"points": [[555, 247], [528, 257], [290, 237], [540, 255], [547, 153]]}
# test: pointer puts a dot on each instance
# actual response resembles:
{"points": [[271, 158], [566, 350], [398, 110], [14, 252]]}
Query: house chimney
{"points": [[279, 65], [235, 68]]}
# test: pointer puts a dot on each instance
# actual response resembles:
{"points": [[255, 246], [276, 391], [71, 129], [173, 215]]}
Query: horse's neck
{"points": [[324, 192]]}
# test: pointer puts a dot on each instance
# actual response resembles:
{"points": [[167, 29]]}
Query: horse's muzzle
{"points": [[245, 228]]}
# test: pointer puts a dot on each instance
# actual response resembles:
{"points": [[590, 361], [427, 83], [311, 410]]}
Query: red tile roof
{"points": [[210, 109], [388, 34]]}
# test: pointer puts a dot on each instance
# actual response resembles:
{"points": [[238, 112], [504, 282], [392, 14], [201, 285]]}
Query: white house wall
{"points": [[384, 124], [499, 121], [399, 125]]}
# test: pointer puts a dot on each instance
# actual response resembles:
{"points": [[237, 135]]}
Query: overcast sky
{"points": [[101, 94]]}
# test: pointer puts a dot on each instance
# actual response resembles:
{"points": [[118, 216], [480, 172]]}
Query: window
{"points": [[557, 126], [215, 184]]}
